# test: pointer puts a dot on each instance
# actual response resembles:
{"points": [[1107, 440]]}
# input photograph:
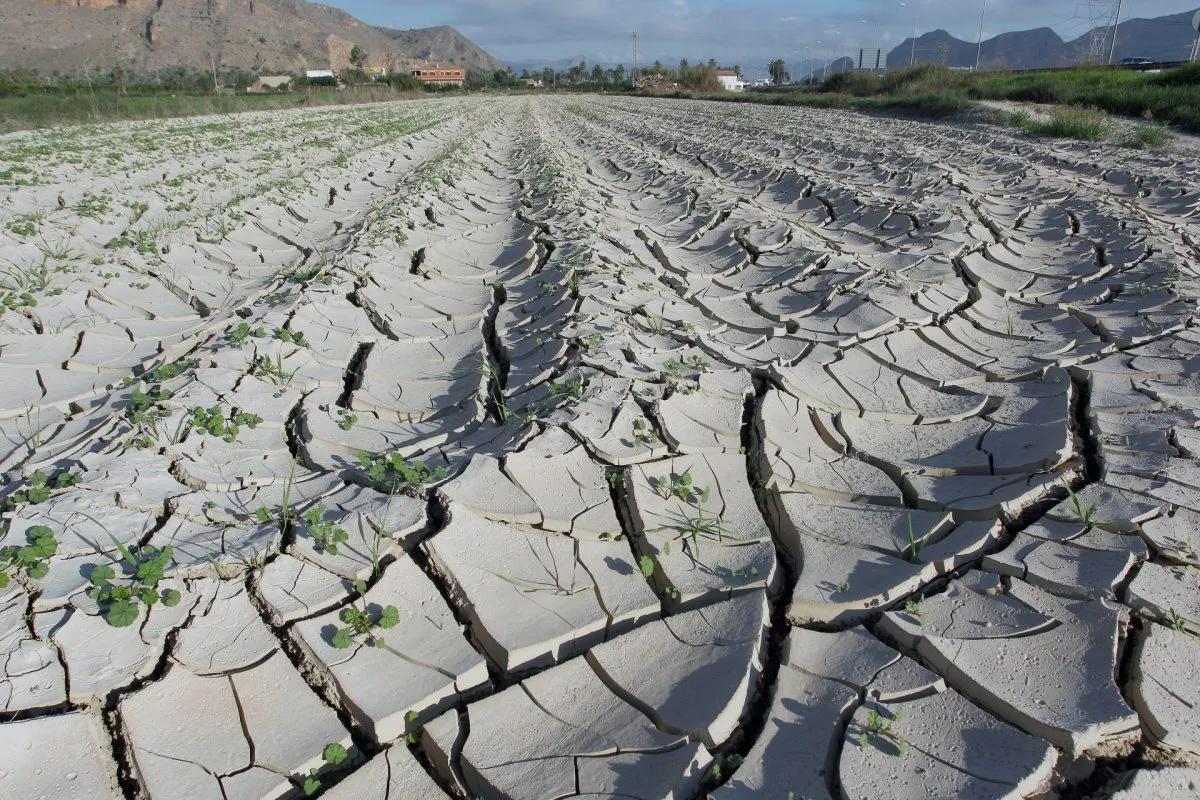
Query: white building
{"points": [[318, 73], [730, 80]]}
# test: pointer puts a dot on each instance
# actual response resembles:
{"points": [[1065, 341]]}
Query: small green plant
{"points": [[327, 535], [169, 371], [412, 723], [394, 472], [32, 558], [491, 374], [725, 765], [91, 205], [363, 625], [290, 337], [334, 755], [1174, 619], [147, 408], [346, 419], [699, 526], [214, 421], [23, 228], [572, 389], [916, 609], [643, 434], [1085, 514], [272, 369], [615, 477], [140, 241], [39, 487], [119, 600], [312, 272], [646, 564], [910, 550], [242, 333], [680, 486], [881, 728]]}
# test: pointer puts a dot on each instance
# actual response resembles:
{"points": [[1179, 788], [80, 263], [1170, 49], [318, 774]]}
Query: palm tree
{"points": [[778, 70]]}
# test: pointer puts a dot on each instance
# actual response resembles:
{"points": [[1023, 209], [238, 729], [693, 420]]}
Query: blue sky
{"points": [[741, 31]]}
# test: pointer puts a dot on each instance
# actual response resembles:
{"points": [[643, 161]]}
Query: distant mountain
{"points": [[1166, 38], [77, 36], [442, 43]]}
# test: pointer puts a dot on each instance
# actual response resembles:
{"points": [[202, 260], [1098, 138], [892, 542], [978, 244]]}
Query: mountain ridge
{"points": [[1166, 38], [87, 36]]}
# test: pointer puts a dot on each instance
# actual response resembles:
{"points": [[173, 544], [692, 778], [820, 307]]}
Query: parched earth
{"points": [[538, 448]]}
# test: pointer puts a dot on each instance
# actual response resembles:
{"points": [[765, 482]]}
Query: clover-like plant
{"points": [[394, 472], [39, 487], [572, 389], [334, 755], [327, 535], [363, 625], [215, 421], [643, 434], [32, 558], [243, 332], [119, 595], [682, 487]]}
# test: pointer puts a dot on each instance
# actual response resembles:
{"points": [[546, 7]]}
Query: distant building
{"points": [[270, 83], [377, 73], [440, 74], [730, 80], [317, 74], [532, 83]]}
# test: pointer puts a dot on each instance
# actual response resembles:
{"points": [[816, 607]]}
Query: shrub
{"points": [[855, 82], [404, 82]]}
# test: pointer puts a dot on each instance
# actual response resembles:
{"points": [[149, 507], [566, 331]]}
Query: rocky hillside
{"points": [[1166, 38], [79, 36]]}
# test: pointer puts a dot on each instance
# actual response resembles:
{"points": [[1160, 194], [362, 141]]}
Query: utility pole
{"points": [[213, 59], [1116, 26], [635, 68], [979, 47]]}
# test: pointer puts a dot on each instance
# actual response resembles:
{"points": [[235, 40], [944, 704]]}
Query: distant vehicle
{"points": [[1137, 62]]}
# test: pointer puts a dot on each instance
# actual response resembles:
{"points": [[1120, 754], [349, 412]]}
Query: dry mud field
{"points": [[539, 448]]}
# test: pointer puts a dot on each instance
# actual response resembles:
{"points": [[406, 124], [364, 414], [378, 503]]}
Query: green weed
{"points": [[119, 600], [394, 472], [32, 558]]}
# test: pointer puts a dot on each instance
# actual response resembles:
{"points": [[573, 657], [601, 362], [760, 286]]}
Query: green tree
{"points": [[358, 57]]}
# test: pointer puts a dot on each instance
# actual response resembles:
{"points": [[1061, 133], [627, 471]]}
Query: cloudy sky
{"points": [[744, 31]]}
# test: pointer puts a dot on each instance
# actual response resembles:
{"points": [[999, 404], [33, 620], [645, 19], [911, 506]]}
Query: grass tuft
{"points": [[1084, 124]]}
